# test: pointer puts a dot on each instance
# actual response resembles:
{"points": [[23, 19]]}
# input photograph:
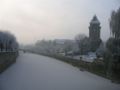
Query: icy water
{"points": [[35, 72]]}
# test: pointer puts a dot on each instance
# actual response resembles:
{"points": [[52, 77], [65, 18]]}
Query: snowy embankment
{"points": [[35, 72]]}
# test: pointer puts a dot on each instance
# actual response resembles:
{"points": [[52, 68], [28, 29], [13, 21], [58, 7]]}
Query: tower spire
{"points": [[95, 20]]}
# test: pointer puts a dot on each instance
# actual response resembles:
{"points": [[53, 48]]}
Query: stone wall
{"points": [[7, 59]]}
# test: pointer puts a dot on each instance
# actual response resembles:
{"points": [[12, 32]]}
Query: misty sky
{"points": [[32, 20]]}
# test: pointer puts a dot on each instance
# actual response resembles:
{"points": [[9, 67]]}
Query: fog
{"points": [[32, 20]]}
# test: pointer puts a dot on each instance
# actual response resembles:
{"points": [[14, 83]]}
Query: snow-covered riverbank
{"points": [[35, 72]]}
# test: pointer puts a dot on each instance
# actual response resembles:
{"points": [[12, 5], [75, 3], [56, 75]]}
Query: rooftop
{"points": [[95, 20]]}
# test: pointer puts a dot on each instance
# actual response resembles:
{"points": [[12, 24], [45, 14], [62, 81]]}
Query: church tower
{"points": [[94, 34]]}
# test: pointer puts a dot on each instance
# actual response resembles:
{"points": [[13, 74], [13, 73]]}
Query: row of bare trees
{"points": [[7, 42]]}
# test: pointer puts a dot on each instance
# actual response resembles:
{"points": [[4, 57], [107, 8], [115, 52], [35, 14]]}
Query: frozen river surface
{"points": [[35, 72]]}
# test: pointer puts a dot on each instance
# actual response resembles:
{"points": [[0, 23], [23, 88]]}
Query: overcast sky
{"points": [[32, 20]]}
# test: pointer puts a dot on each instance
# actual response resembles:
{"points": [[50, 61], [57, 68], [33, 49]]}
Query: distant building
{"points": [[94, 34], [65, 46]]}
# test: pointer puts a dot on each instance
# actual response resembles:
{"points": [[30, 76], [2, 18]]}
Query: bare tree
{"points": [[8, 42], [115, 24], [113, 45], [83, 43]]}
